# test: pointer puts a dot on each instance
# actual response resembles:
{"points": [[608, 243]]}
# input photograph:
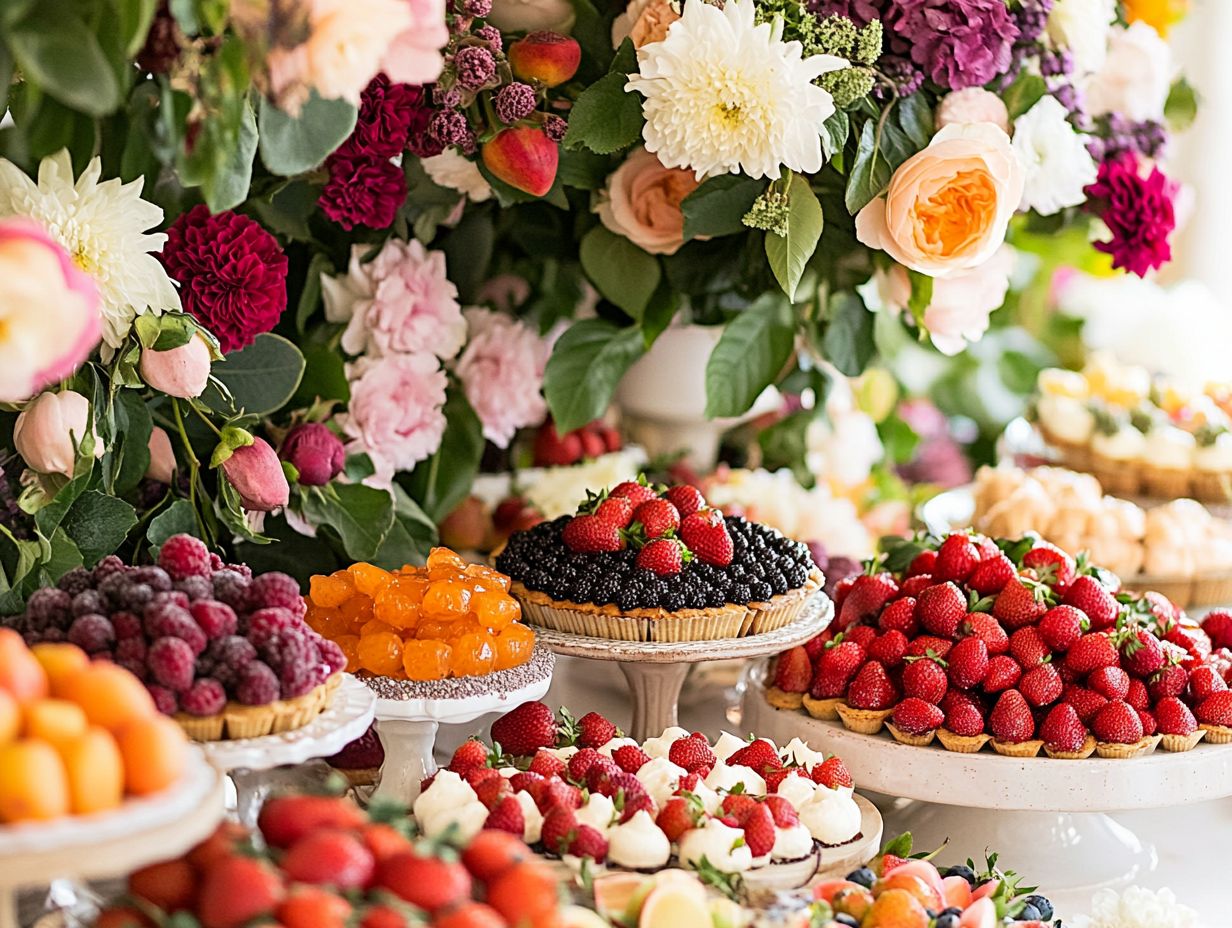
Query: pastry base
{"points": [[1165, 482], [1217, 734], [822, 708], [863, 721], [1211, 487], [1087, 749], [1021, 749], [237, 722], [781, 699], [1181, 743], [903, 737], [962, 744], [1123, 751]]}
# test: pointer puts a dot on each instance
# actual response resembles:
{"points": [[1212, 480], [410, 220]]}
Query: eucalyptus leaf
{"points": [[295, 144], [56, 50], [848, 341], [260, 377], [750, 354]]}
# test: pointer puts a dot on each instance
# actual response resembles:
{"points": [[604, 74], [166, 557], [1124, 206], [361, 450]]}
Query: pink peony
{"points": [[400, 302], [396, 414], [414, 55], [502, 373]]}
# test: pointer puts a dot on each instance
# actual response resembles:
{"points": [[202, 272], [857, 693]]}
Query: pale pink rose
{"points": [[643, 21], [948, 207], [162, 456], [1136, 76], [414, 56], [504, 292], [501, 371], [973, 104], [183, 371], [348, 40], [642, 202], [532, 15], [257, 475], [49, 311], [961, 304], [399, 302], [396, 414], [49, 431]]}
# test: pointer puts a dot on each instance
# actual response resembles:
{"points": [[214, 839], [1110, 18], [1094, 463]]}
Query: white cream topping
{"points": [[800, 754], [638, 844], [1170, 447], [1125, 444], [792, 843], [722, 846], [562, 753], [447, 791], [1216, 456], [831, 817], [727, 745], [658, 747], [710, 799], [1066, 418], [797, 790], [661, 778], [598, 813], [532, 818], [723, 777], [607, 749], [468, 818]]}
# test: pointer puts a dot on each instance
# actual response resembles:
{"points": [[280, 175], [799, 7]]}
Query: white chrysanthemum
{"points": [[1082, 27], [725, 96], [1054, 158], [1137, 908], [102, 226]]}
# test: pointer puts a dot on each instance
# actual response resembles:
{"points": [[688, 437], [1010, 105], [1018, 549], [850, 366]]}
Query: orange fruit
{"points": [[55, 720], [20, 673], [62, 661], [356, 611], [447, 599], [369, 580], [896, 908], [443, 557], [10, 717], [33, 783], [380, 653], [513, 646], [425, 660], [154, 751], [95, 771], [331, 590], [350, 649], [110, 695], [495, 608], [473, 655]]}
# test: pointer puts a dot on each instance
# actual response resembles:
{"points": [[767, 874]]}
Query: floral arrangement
{"points": [[277, 271]]}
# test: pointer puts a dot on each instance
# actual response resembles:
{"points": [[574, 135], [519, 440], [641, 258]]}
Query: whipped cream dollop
{"points": [[1067, 418], [710, 799], [722, 846], [468, 819], [638, 844], [661, 778], [727, 745], [1217, 456], [792, 843], [1170, 448], [724, 777], [799, 753], [447, 791], [1125, 444], [797, 790], [598, 813], [831, 817], [562, 754], [607, 749], [532, 818], [658, 747]]}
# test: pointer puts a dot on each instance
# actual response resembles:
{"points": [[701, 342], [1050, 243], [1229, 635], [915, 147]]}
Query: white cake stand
{"points": [[249, 761], [408, 727], [1051, 814], [113, 843], [655, 671]]}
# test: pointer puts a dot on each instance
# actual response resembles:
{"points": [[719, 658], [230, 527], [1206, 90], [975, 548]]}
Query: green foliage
{"points": [[606, 118], [361, 516], [921, 295], [1027, 90], [586, 365], [258, 379], [294, 144], [886, 142], [1181, 107], [789, 254], [622, 272], [784, 444], [848, 339], [444, 479], [749, 356], [718, 205], [57, 48]]}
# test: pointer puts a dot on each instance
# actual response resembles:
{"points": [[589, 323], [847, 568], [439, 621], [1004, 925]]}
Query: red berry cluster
{"points": [[668, 526], [553, 449], [1015, 642]]}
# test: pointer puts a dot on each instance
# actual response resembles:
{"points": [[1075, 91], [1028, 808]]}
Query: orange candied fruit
{"points": [[426, 660], [380, 653], [369, 580], [513, 647], [331, 590], [473, 654]]}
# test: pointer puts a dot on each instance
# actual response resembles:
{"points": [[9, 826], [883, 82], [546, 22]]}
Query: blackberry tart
{"points": [[640, 563]]}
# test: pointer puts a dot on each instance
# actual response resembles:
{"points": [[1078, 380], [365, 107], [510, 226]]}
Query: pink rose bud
{"points": [[182, 371], [547, 57], [524, 158], [162, 457], [256, 473], [46, 431], [314, 451]]}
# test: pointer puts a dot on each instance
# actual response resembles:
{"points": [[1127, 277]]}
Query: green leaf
{"points": [[295, 144], [135, 17], [870, 172], [785, 444], [324, 376], [789, 254], [921, 295], [898, 438], [227, 186], [606, 118], [587, 363], [444, 479], [293, 553], [620, 270], [261, 377], [834, 139], [362, 516], [162, 333], [62, 558], [915, 115], [57, 51], [98, 524], [177, 519], [288, 209], [582, 169], [411, 538], [128, 458], [848, 341], [310, 296], [1181, 107], [718, 204], [750, 354], [1027, 90]]}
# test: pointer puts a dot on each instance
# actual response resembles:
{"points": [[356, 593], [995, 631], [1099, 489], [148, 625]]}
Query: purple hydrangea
{"points": [[476, 7], [475, 66], [958, 43], [513, 102]]}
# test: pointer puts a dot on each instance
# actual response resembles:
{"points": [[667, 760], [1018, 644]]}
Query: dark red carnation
{"points": [[385, 114], [362, 191], [232, 274], [1138, 211]]}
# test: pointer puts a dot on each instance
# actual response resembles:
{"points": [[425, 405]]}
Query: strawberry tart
{"points": [[645, 563]]}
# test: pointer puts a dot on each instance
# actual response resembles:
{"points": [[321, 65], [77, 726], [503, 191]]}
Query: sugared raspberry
{"points": [[90, 602], [49, 606], [364, 751], [164, 620], [331, 655], [289, 646], [109, 565], [131, 649], [172, 663], [229, 656], [296, 679], [136, 596], [205, 697], [242, 569], [76, 581], [231, 587], [215, 562], [155, 578], [126, 625], [184, 556], [265, 624], [216, 619], [276, 589], [136, 667], [92, 633], [112, 586], [195, 587], [174, 597], [164, 700], [257, 685]]}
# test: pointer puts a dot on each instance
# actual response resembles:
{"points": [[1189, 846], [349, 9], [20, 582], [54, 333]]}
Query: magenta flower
{"points": [[362, 191], [501, 370], [315, 452], [1138, 211]]}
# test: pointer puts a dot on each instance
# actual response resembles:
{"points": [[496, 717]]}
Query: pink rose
{"points": [[183, 371], [642, 202], [256, 473], [414, 56], [396, 413], [643, 21], [399, 302], [502, 373], [973, 104], [49, 311], [50, 430], [162, 456]]}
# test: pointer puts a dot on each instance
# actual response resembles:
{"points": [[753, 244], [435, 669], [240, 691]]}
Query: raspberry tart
{"points": [[644, 563]]}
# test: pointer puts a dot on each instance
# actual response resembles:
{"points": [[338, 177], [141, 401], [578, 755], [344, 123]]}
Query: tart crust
{"points": [[238, 721], [1217, 734], [864, 721], [962, 744], [1087, 749], [1122, 751], [822, 708], [1181, 743], [781, 699], [1020, 749], [903, 737]]}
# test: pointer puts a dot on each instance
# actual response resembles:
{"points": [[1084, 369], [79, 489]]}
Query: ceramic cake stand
{"points": [[110, 844], [655, 671], [250, 762], [1047, 816]]}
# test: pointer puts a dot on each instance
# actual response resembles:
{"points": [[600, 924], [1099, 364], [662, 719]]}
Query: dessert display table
{"points": [[655, 671], [110, 844], [248, 761]]}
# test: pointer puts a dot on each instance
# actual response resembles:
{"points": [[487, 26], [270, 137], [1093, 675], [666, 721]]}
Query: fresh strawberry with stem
{"points": [[869, 593], [615, 510], [1041, 685], [1028, 647], [1095, 601], [872, 688], [1141, 652], [957, 558], [1062, 729], [941, 607], [638, 490], [841, 659], [658, 518], [587, 534], [900, 615], [1021, 602], [991, 575], [664, 556], [968, 662], [1062, 625], [705, 533], [1003, 673], [832, 773], [916, 716], [594, 731], [525, 729], [988, 629], [925, 678], [687, 499], [1051, 565]]}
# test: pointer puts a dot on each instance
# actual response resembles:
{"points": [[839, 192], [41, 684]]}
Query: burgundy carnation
{"points": [[1137, 210], [385, 114], [958, 43], [315, 452], [232, 274], [362, 191]]}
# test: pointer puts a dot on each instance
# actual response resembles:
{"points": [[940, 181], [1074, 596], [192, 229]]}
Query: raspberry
{"points": [[364, 751], [265, 624], [92, 633], [171, 597], [173, 663], [48, 634], [89, 601], [135, 596], [215, 562], [165, 701], [164, 620], [49, 606], [126, 625], [277, 589], [297, 679], [205, 697], [231, 587], [184, 556], [136, 667], [75, 581], [287, 648], [131, 649], [107, 567], [112, 586], [229, 656], [242, 569], [155, 578], [331, 655], [196, 588], [257, 685], [216, 619]]}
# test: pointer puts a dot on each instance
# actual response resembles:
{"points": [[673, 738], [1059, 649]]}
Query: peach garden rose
{"points": [[642, 202]]}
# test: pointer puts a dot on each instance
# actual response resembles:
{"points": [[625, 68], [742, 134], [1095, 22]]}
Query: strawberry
{"points": [[816, 644], [1112, 682], [589, 843], [968, 663], [616, 510], [1138, 696], [586, 534], [832, 773], [888, 648], [471, 754], [991, 576], [782, 811], [525, 729], [1216, 709], [826, 686], [491, 791], [1085, 702], [758, 825], [1218, 627], [956, 558], [547, 765], [915, 716], [1147, 718], [916, 584], [1011, 718], [738, 805], [692, 753], [922, 563], [1167, 616], [872, 688], [863, 635], [841, 590], [1173, 717], [1089, 595], [1141, 652], [478, 775], [1117, 723], [941, 607], [793, 671], [559, 827], [1028, 648], [964, 718], [1003, 673], [705, 533], [687, 499], [924, 678], [507, 816], [559, 793], [1204, 681], [286, 819], [580, 763], [1019, 604], [869, 593], [664, 556], [677, 816], [1170, 680], [774, 776], [1090, 652], [986, 627], [841, 659], [756, 754], [169, 885], [1061, 626], [531, 783], [555, 450], [922, 645], [309, 907], [594, 731], [1193, 641], [900, 616], [1063, 729], [638, 802], [637, 490], [630, 758], [1041, 685], [657, 517], [1051, 565], [235, 890]]}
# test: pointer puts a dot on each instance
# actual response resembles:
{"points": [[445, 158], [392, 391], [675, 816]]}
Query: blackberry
{"points": [[715, 598], [628, 599], [196, 587], [759, 591], [136, 595], [89, 602], [673, 601], [77, 580], [695, 598], [112, 586], [92, 633]]}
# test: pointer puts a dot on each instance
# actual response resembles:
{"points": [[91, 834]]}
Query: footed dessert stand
{"points": [[655, 671], [250, 762], [110, 844], [1047, 813]]}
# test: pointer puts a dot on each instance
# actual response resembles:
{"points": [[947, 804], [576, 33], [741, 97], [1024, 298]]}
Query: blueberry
{"points": [[1028, 913], [965, 872], [946, 920], [952, 910], [844, 919], [864, 876], [1041, 904]]}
